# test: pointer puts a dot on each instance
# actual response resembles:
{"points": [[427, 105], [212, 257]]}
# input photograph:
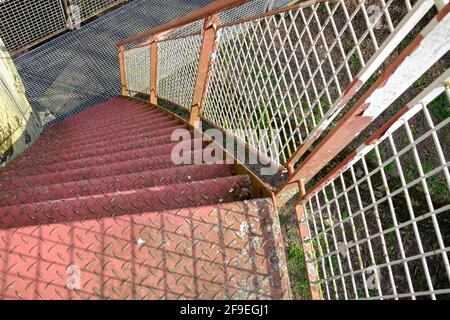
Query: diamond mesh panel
{"points": [[177, 69], [137, 69], [23, 22], [80, 68], [277, 77], [188, 29]]}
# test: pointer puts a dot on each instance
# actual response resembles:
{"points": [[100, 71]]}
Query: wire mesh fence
{"points": [[378, 225], [178, 68], [179, 52], [26, 23], [286, 73], [90, 8], [137, 76], [23, 23], [79, 69]]}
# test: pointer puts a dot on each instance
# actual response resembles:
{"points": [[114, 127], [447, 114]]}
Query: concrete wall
{"points": [[19, 125]]}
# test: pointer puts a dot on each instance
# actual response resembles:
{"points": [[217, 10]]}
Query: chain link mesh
{"points": [[280, 75], [379, 227], [137, 69], [247, 10], [177, 69]]}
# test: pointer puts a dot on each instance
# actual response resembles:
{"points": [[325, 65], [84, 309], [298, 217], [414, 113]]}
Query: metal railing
{"points": [[25, 24], [378, 225], [277, 76]]}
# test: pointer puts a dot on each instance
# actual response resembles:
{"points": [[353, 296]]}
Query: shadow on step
{"points": [[226, 251]]}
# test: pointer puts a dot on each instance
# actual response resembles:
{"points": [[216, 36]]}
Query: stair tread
{"points": [[100, 192], [103, 185], [152, 256], [175, 196]]}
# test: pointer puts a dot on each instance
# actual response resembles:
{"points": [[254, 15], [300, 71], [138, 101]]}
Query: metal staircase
{"points": [[99, 193]]}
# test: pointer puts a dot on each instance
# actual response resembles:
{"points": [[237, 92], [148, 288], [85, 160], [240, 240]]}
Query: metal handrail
{"points": [[207, 11]]}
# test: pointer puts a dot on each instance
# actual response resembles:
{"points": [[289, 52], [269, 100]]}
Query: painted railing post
{"points": [[206, 53], [154, 70], [123, 79]]}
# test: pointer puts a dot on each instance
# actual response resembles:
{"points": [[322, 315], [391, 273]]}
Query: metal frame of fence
{"points": [[284, 76], [25, 24], [367, 236]]}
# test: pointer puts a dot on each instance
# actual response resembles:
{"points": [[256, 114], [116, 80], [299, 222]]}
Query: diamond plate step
{"points": [[141, 122], [119, 203], [102, 149], [109, 170], [105, 135], [128, 155], [225, 251], [108, 111], [105, 185], [118, 140]]}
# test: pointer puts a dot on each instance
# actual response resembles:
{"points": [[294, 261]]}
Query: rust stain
{"points": [[441, 14]]}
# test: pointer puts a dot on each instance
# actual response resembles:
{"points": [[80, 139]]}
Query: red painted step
{"points": [[97, 150], [100, 192], [119, 168], [82, 133], [117, 141], [176, 196], [127, 155], [146, 179], [103, 135], [225, 251]]}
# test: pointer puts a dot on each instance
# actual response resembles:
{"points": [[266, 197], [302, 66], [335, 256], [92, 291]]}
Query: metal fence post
{"points": [[123, 79], [154, 70], [206, 53]]}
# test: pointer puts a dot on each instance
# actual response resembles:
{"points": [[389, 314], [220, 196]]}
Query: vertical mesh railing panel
{"points": [[24, 22], [178, 68], [89, 8], [137, 69], [379, 226], [279, 76]]}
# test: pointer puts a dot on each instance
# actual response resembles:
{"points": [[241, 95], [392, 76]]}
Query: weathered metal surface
{"points": [[206, 55], [19, 126], [229, 251], [206, 11], [105, 221], [375, 228]]}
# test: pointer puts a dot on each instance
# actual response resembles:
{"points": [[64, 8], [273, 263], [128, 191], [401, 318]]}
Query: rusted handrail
{"points": [[209, 10]]}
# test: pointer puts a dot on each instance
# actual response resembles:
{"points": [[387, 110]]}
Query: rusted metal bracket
{"points": [[206, 55], [154, 70], [123, 78]]}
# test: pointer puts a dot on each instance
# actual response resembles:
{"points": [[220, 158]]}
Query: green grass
{"points": [[440, 108], [297, 272]]}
